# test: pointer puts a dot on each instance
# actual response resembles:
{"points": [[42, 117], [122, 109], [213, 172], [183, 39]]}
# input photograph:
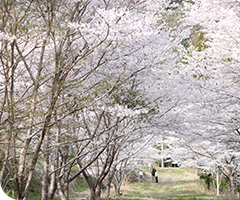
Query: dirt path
{"points": [[80, 195], [174, 183]]}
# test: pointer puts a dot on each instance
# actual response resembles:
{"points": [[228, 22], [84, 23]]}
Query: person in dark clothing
{"points": [[153, 175]]}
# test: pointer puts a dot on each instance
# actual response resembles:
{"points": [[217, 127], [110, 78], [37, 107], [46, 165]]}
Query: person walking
{"points": [[153, 175]]}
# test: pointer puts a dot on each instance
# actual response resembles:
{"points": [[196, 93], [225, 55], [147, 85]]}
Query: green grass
{"points": [[81, 189], [37, 196], [174, 184], [10, 195]]}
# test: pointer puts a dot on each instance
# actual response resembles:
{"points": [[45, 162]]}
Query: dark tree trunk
{"points": [[98, 192], [92, 194], [208, 181]]}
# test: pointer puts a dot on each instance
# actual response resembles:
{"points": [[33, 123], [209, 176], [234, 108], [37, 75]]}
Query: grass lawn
{"points": [[174, 183]]}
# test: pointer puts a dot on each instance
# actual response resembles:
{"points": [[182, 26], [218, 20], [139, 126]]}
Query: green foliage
{"points": [[129, 98], [238, 188], [159, 147], [38, 196], [180, 2], [201, 76], [79, 184], [167, 162], [36, 183], [185, 62], [133, 177], [200, 42], [10, 188], [224, 185], [185, 43], [133, 98], [195, 29], [194, 75], [196, 39], [172, 19], [227, 60], [207, 178]]}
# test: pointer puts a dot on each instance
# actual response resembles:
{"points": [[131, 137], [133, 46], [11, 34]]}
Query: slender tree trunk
{"points": [[53, 183], [108, 186], [117, 188], [6, 100], [231, 186], [98, 191], [116, 184], [22, 162], [27, 187], [37, 150], [45, 129], [208, 181], [23, 153], [91, 185], [45, 168], [52, 189], [214, 184], [60, 190], [55, 161], [4, 165], [66, 189], [92, 194]]}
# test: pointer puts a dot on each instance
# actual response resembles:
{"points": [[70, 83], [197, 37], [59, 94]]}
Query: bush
{"points": [[133, 177], [207, 178]]}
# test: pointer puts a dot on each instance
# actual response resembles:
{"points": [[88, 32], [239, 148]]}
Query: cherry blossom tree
{"points": [[207, 114], [59, 58]]}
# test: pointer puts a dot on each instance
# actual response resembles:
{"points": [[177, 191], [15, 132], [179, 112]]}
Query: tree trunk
{"points": [[45, 168], [65, 190], [214, 184], [108, 189], [4, 165], [55, 161], [231, 186], [52, 189], [92, 194], [117, 189], [91, 185], [53, 184], [98, 190], [45, 129], [108, 186], [60, 191], [208, 181], [22, 158], [27, 187]]}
